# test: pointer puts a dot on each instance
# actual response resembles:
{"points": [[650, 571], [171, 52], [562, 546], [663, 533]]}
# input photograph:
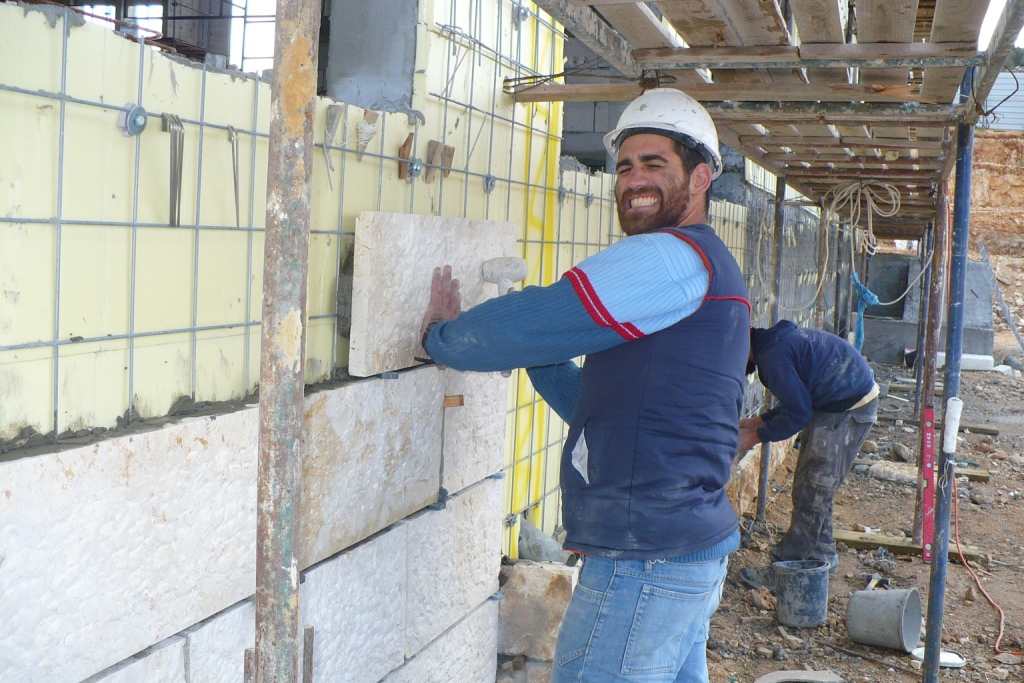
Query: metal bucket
{"points": [[887, 618], [801, 592]]}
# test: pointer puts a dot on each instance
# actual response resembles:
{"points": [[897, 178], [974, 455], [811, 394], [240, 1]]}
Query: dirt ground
{"points": [[747, 642]]}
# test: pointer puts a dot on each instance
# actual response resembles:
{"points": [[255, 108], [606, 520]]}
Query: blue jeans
{"points": [[641, 621]]}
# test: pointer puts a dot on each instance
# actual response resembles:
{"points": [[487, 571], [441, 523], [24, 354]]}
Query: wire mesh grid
{"points": [[506, 168]]}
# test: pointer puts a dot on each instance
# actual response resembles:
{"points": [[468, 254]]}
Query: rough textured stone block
{"points": [[109, 548], [356, 603], [474, 433], [395, 256], [536, 597], [467, 653], [216, 647], [454, 558], [372, 456], [162, 663], [746, 472], [538, 672]]}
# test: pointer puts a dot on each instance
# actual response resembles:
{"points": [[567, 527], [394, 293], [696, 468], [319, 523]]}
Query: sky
{"points": [[995, 9]]}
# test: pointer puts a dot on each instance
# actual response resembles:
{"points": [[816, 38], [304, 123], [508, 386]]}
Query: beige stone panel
{"points": [[27, 262], [95, 278], [223, 270], [466, 652], [22, 30], [99, 372], [220, 365], [371, 456], [164, 277], [474, 433], [101, 65], [455, 555], [395, 255], [355, 603], [536, 597], [111, 547], [162, 663], [26, 391], [31, 143]]}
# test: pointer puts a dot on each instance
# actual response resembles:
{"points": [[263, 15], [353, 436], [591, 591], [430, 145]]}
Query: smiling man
{"points": [[663, 320]]}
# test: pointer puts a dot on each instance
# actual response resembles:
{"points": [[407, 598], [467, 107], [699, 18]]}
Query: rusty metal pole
{"points": [[779, 242], [285, 268], [933, 326]]}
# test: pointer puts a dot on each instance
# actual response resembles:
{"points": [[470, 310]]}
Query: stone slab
{"points": [[216, 647], [536, 597], [108, 548], [467, 652], [356, 604], [162, 663], [395, 256], [372, 457], [454, 559], [474, 433]]}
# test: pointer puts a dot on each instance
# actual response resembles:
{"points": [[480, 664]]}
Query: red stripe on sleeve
{"points": [[592, 302]]}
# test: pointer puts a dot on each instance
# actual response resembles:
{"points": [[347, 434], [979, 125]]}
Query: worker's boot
{"points": [[756, 578]]}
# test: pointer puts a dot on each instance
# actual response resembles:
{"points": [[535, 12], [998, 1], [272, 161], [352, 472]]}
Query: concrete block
{"points": [[111, 547], [536, 597], [467, 652], [162, 663], [216, 647], [474, 433], [395, 256], [356, 603], [454, 558], [372, 456]]}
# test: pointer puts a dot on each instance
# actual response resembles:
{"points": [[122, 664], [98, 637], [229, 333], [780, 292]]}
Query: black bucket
{"points": [[801, 592]]}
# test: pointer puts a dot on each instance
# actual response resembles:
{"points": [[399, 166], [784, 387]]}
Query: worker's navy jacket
{"points": [[655, 428], [807, 371]]}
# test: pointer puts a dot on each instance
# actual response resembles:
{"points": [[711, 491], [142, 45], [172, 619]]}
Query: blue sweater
{"points": [[807, 371]]}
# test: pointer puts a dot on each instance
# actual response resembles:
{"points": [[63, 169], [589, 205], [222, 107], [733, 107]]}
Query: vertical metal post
{"points": [[819, 304], [926, 244], [839, 280], [285, 269], [951, 384], [766, 447]]}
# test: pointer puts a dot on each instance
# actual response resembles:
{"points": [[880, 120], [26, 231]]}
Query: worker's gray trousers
{"points": [[828, 446]]}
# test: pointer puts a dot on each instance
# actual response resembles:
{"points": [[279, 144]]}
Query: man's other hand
{"points": [[748, 439], [445, 300]]}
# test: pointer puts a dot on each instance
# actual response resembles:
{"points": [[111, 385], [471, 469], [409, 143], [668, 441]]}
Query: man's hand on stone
{"points": [[748, 439], [445, 301]]}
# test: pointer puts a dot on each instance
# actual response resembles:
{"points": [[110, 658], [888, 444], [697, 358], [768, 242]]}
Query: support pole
{"points": [[926, 243], [933, 326], [766, 447], [954, 348], [285, 261], [838, 305], [819, 303]]}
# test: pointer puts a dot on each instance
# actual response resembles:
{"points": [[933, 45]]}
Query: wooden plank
{"points": [[964, 427], [952, 20], [886, 21], [897, 545], [845, 141], [834, 56], [642, 28], [726, 22], [818, 21], [594, 32]]}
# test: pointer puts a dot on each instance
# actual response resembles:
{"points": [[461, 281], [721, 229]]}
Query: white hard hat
{"points": [[679, 115]]}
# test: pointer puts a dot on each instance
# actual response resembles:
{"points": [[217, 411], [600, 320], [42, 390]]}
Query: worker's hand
{"points": [[751, 423], [445, 300], [748, 439]]}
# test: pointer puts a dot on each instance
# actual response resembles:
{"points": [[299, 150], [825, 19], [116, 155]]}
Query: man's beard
{"points": [[669, 214]]}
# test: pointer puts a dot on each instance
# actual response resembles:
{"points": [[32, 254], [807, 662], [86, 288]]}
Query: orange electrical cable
{"points": [[977, 581]]}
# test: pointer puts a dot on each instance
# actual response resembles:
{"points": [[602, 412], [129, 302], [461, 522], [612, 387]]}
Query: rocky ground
{"points": [[746, 639]]}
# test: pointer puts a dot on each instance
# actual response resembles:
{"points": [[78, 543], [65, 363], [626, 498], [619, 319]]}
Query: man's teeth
{"points": [[643, 201]]}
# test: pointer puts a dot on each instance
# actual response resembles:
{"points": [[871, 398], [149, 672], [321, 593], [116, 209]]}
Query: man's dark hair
{"points": [[690, 159]]}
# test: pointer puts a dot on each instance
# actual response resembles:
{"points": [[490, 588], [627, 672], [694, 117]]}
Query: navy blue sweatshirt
{"points": [[808, 371]]}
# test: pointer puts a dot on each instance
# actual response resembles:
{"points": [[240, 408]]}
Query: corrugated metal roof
{"points": [[1010, 114]]}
